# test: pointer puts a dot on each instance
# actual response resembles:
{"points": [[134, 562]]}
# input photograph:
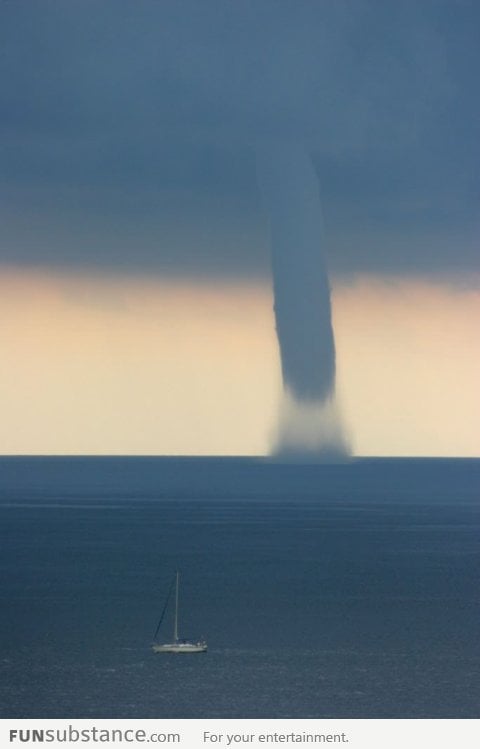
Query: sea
{"points": [[349, 590]]}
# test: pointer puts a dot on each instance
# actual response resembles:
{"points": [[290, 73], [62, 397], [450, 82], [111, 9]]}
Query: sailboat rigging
{"points": [[178, 645]]}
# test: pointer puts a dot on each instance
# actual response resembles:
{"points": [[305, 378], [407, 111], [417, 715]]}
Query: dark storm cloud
{"points": [[129, 128]]}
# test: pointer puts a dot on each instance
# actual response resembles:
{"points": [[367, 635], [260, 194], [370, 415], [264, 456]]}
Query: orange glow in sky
{"points": [[116, 365]]}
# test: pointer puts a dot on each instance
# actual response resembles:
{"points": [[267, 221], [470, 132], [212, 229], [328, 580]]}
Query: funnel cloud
{"points": [[308, 420]]}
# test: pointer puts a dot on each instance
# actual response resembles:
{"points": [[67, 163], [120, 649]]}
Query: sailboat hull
{"points": [[179, 644], [181, 647]]}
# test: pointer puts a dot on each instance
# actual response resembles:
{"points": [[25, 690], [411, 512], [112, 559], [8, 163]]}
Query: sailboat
{"points": [[177, 645]]}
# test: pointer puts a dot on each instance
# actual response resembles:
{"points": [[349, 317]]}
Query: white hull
{"points": [[181, 647], [178, 644]]}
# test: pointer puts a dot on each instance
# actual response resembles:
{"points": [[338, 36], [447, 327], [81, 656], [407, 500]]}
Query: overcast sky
{"points": [[135, 287], [128, 131]]}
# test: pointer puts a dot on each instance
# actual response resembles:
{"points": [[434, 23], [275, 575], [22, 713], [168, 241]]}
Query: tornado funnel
{"points": [[290, 190]]}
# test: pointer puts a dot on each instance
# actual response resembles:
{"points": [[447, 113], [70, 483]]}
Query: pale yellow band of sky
{"points": [[117, 365]]}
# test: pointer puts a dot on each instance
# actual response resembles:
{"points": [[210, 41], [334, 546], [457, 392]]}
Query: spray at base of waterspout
{"points": [[310, 432]]}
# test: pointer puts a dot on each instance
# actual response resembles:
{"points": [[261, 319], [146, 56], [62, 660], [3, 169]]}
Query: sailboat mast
{"points": [[175, 629]]}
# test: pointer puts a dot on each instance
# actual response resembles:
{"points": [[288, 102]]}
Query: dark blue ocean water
{"points": [[323, 591]]}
